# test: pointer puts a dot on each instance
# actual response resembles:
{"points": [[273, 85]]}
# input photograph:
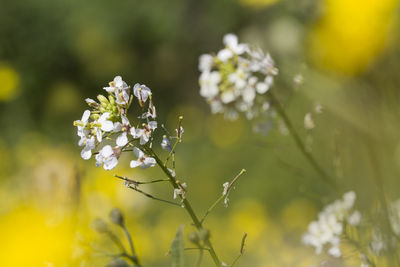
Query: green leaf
{"points": [[177, 249]]}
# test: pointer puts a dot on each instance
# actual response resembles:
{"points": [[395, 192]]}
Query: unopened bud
{"points": [[95, 117], [194, 238], [103, 100], [117, 217], [111, 98], [204, 234]]}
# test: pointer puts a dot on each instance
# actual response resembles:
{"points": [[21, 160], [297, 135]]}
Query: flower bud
{"points": [[117, 217], [204, 234], [95, 117], [100, 226], [194, 238], [103, 101], [111, 98]]}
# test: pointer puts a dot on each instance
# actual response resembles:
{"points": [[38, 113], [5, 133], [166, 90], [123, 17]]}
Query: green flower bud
{"points": [[95, 116], [103, 110], [194, 238], [117, 217], [111, 98], [204, 234], [103, 101], [100, 226]]}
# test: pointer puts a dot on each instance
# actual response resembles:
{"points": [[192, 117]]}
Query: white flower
{"points": [[90, 143], [248, 94], [102, 124], [209, 84], [308, 121], [143, 161], [165, 144], [142, 92], [122, 139], [205, 62], [180, 191], [238, 78], [329, 226], [120, 89], [335, 252], [226, 187], [354, 218], [225, 54], [81, 124], [231, 41], [108, 157], [145, 133]]}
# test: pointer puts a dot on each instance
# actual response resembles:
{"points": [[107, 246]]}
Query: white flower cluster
{"points": [[108, 118], [327, 229], [236, 79]]}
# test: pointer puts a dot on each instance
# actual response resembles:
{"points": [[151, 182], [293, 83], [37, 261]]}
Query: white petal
{"points": [[86, 153], [104, 117], [153, 125], [107, 126], [110, 163], [106, 151], [125, 120], [148, 162], [262, 88], [138, 153], [99, 135], [85, 116], [230, 40], [117, 127], [122, 139], [224, 54], [144, 139], [134, 164]]}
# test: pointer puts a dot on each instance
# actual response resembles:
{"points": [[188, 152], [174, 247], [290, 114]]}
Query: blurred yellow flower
{"points": [[351, 34], [9, 82], [31, 239]]}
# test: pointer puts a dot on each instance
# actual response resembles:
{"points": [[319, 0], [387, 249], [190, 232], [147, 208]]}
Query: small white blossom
{"points": [[205, 62], [108, 157], [102, 124], [209, 84], [165, 144], [142, 161], [142, 92], [308, 121], [180, 191], [231, 41], [326, 231], [90, 144], [120, 89]]}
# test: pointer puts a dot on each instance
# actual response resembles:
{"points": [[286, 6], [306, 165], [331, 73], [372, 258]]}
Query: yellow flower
{"points": [[351, 34]]}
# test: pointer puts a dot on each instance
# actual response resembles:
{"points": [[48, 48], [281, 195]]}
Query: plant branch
{"points": [[132, 186], [279, 108], [224, 195], [185, 202]]}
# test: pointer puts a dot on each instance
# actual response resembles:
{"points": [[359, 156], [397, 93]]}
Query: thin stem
{"points": [[139, 182], [134, 257], [117, 241], [224, 195], [299, 143], [185, 203], [151, 196]]}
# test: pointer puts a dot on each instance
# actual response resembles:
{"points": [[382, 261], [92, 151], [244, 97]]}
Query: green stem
{"points": [[134, 257], [186, 204], [209, 210], [279, 108]]}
